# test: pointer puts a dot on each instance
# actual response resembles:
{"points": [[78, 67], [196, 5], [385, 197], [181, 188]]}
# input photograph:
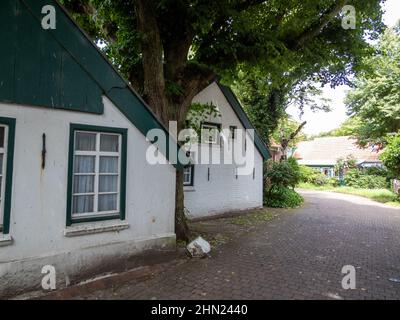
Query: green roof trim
{"points": [[241, 114], [63, 69]]}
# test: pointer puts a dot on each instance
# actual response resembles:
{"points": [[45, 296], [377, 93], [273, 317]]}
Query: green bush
{"points": [[360, 179], [282, 197], [319, 179], [314, 176], [280, 181], [376, 171], [283, 174], [306, 173], [334, 182]]}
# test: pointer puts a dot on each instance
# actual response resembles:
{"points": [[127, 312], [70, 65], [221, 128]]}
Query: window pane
{"points": [[83, 184], [85, 141], [107, 202], [84, 164], [187, 175], [2, 131], [109, 143], [108, 184], [108, 164], [209, 134], [232, 129], [82, 204], [1, 163], [186, 178]]}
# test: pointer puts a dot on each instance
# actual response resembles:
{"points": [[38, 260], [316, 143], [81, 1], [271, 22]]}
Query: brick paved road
{"points": [[299, 255]]}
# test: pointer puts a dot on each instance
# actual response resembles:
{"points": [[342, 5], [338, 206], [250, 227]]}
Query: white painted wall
{"points": [[223, 192], [39, 198]]}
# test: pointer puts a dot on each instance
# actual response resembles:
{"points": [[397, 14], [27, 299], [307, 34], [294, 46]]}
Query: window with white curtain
{"points": [[96, 178], [3, 164]]}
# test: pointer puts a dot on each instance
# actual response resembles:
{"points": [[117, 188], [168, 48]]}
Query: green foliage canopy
{"points": [[376, 99], [348, 128], [280, 43], [391, 155]]}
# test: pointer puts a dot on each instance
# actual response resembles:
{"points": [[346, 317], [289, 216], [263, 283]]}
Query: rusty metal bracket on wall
{"points": [[44, 151]]}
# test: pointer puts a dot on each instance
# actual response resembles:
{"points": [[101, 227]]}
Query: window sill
{"points": [[87, 229], [188, 189], [5, 240]]}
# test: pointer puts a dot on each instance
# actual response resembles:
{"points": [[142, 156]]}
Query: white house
{"points": [[212, 189], [76, 190]]}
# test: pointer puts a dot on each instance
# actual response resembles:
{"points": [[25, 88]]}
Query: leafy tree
{"points": [[376, 98], [343, 165], [286, 127], [349, 127], [171, 49], [391, 155], [266, 105]]}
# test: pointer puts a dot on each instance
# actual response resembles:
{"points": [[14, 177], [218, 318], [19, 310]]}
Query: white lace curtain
{"points": [[85, 173]]}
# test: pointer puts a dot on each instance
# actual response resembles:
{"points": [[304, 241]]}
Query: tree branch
{"points": [[194, 79], [315, 29], [285, 141]]}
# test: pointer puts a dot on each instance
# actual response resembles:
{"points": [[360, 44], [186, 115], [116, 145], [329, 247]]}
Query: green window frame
{"points": [[190, 168], [98, 130], [8, 174]]}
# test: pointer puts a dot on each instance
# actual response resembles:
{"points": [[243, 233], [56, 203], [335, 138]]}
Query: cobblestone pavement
{"points": [[298, 255]]}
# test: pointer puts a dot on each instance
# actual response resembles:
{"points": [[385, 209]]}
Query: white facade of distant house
{"points": [[371, 164], [39, 235], [212, 189]]}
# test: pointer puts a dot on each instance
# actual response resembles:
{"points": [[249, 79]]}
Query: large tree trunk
{"points": [[152, 52], [181, 227], [167, 63]]}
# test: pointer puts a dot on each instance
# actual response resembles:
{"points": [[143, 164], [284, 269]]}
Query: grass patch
{"points": [[218, 240], [380, 195], [253, 218]]}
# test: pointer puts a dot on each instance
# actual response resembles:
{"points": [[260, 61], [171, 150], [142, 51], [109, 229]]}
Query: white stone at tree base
{"points": [[198, 247]]}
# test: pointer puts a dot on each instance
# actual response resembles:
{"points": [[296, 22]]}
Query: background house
{"points": [[217, 188], [323, 153], [76, 190]]}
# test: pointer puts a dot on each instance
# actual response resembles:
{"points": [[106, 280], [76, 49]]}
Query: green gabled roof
{"points": [[63, 68], [241, 114]]}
